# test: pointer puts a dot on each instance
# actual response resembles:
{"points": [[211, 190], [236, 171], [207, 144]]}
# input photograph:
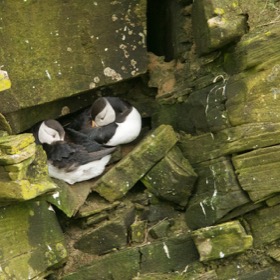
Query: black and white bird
{"points": [[67, 161], [110, 121]]}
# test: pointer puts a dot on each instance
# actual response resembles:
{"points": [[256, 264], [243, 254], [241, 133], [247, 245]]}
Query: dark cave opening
{"points": [[163, 27]]}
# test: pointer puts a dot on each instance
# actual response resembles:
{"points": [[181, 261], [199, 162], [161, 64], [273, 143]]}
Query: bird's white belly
{"points": [[128, 130], [81, 173]]}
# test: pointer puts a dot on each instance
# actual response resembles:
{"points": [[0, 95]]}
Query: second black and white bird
{"points": [[110, 121]]}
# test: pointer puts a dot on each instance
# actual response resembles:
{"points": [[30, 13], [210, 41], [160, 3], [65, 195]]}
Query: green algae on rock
{"points": [[264, 225], [23, 169], [171, 254], [220, 241], [217, 192], [258, 172], [16, 148], [36, 245], [217, 23], [172, 178], [64, 49], [255, 50], [138, 231], [69, 199], [228, 141], [121, 178]]}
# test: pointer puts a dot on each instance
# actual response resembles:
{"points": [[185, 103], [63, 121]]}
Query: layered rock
{"points": [[64, 49]]}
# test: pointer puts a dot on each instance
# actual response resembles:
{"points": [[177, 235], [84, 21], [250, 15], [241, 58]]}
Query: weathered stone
{"points": [[107, 237], [229, 141], [209, 275], [69, 199], [274, 253], [93, 220], [216, 23], [119, 265], [265, 225], [203, 111], [16, 148], [258, 172], [172, 178], [21, 190], [34, 181], [221, 241], [258, 96], [68, 52], [217, 193], [160, 229], [13, 144], [273, 200], [260, 275], [255, 49], [110, 235], [95, 205], [31, 240], [121, 178], [159, 212], [241, 210], [138, 231], [171, 254], [19, 170]]}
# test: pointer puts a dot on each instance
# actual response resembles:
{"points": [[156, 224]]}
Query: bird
{"points": [[110, 121], [69, 161]]}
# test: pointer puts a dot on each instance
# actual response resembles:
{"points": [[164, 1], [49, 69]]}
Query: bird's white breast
{"points": [[128, 130], [81, 173]]}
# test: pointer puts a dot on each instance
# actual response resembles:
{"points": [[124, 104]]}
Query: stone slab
{"points": [[217, 192], [258, 96], [221, 241], [103, 239], [120, 265], [67, 198], [229, 141], [172, 254], [216, 24], [121, 178], [257, 49], [265, 225], [31, 240], [203, 111], [55, 50], [258, 172], [172, 179]]}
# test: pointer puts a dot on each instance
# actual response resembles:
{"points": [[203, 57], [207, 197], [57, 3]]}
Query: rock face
{"points": [[54, 51], [197, 196], [23, 169], [217, 23], [31, 240], [221, 241], [172, 178], [119, 180]]}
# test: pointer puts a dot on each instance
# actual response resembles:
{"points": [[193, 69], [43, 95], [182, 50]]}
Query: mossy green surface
{"points": [[221, 240], [121, 178], [258, 172], [55, 50], [172, 178], [31, 240], [229, 141]]}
